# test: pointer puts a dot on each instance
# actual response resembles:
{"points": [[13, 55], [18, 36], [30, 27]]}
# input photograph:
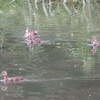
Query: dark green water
{"points": [[64, 68]]}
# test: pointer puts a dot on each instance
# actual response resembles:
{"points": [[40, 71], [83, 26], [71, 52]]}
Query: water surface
{"points": [[62, 68]]}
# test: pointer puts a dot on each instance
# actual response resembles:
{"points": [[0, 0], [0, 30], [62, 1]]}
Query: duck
{"points": [[95, 42], [32, 37], [30, 34], [11, 79]]}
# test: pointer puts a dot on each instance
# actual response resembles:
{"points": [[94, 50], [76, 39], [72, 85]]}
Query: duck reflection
{"points": [[31, 38], [4, 87], [11, 95], [94, 49]]}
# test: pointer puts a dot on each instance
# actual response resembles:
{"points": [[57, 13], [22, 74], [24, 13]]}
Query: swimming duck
{"points": [[30, 34], [12, 79], [95, 42]]}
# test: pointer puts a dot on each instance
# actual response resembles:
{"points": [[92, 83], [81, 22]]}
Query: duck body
{"points": [[30, 34], [12, 79], [95, 42], [36, 40], [15, 79]]}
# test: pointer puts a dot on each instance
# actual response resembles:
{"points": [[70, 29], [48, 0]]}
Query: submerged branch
{"points": [[30, 11], [36, 4], [65, 6], [84, 6], [50, 6], [44, 8]]}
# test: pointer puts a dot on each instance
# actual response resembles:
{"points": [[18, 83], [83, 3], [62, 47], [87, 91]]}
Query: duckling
{"points": [[95, 42], [12, 79], [30, 34]]}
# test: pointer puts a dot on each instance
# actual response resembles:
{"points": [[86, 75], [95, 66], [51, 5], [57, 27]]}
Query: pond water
{"points": [[63, 66]]}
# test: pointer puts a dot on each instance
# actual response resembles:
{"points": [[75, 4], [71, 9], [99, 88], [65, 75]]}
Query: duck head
{"points": [[3, 73], [94, 40]]}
